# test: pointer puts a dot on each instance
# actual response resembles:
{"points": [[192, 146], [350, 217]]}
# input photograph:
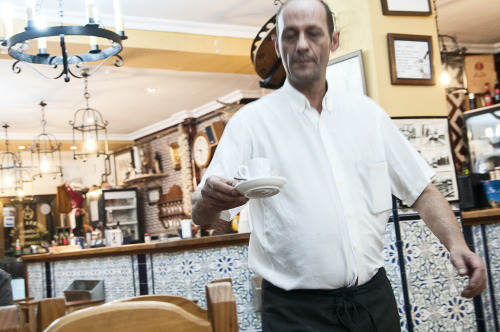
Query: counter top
{"points": [[144, 248], [483, 216]]}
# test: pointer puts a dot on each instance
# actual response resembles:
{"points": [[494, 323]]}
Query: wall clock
{"points": [[202, 151]]}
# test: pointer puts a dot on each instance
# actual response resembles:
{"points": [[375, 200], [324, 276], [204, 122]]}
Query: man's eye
{"points": [[288, 35]]}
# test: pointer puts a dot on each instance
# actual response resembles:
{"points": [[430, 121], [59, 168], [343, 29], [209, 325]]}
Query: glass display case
{"points": [[120, 206], [109, 207], [482, 134]]}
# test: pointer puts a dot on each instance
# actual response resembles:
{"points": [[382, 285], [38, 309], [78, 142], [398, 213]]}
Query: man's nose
{"points": [[302, 42]]}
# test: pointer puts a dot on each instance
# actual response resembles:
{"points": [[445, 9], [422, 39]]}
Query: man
{"points": [[317, 244]]}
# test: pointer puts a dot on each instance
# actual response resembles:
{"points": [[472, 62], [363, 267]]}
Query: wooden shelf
{"points": [[478, 217], [145, 178]]}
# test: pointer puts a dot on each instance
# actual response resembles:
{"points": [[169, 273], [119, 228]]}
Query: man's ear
{"points": [[335, 41], [274, 38]]}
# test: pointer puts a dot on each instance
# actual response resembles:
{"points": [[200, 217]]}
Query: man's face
{"points": [[304, 44]]}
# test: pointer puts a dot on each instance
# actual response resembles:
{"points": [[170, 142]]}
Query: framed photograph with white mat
{"points": [[406, 7], [124, 166], [347, 72], [430, 136]]}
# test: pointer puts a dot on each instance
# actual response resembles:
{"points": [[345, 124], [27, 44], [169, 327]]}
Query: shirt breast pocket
{"points": [[376, 182]]}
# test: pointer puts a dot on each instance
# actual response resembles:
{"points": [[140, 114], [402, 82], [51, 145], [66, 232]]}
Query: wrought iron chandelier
{"points": [[90, 135], [11, 173], [16, 44], [43, 149]]}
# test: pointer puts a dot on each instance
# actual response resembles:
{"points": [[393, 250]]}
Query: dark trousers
{"points": [[366, 308]]}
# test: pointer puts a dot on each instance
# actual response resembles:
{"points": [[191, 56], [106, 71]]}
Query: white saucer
{"points": [[261, 187]]}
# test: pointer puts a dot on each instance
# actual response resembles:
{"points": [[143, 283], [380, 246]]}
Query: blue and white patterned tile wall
{"points": [[433, 283], [187, 273], [116, 272], [37, 280], [391, 264], [487, 243]]}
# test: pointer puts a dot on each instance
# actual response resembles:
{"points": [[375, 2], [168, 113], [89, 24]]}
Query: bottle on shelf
{"points": [[17, 248], [488, 100], [65, 239], [72, 240], [496, 93], [472, 101]]}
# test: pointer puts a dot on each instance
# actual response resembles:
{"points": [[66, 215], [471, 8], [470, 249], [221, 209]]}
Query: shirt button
{"points": [[356, 247]]}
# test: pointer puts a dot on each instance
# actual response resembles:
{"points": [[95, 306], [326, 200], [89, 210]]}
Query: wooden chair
{"points": [[140, 313], [181, 302], [37, 315], [9, 322]]}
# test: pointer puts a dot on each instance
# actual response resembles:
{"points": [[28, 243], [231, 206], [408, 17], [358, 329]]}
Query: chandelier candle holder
{"points": [[16, 44], [44, 146], [90, 135], [11, 172]]}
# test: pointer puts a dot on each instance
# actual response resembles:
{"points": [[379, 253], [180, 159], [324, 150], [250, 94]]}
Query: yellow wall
{"points": [[363, 26]]}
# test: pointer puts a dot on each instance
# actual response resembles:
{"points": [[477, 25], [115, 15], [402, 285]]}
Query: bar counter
{"points": [[481, 216], [206, 242], [179, 267]]}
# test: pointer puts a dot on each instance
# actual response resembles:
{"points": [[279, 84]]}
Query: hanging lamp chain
{"points": [[86, 93], [6, 126], [43, 104], [61, 12]]}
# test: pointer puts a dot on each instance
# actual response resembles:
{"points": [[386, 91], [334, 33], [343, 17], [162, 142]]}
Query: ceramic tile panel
{"points": [[486, 296], [37, 282], [492, 241], [433, 284], [116, 272], [187, 273], [391, 265]]}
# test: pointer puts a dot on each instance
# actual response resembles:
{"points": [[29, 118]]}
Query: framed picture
{"points": [[406, 7], [175, 156], [154, 195], [411, 59], [349, 71], [124, 166], [430, 136]]}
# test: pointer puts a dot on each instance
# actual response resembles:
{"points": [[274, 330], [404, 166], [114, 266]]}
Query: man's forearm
{"points": [[199, 213], [437, 214]]}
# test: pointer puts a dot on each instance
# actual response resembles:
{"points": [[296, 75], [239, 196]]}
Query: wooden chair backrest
{"points": [[131, 316], [9, 321], [48, 311], [182, 302], [221, 305]]}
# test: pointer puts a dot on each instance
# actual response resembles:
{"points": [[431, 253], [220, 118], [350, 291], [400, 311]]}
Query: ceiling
{"points": [[183, 86]]}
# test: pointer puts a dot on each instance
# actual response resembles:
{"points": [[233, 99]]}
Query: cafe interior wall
{"points": [[160, 142], [363, 26]]}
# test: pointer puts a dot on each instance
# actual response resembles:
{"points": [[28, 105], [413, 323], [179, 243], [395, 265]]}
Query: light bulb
{"points": [[20, 193], [91, 119], [44, 165], [90, 144], [8, 180], [445, 78]]}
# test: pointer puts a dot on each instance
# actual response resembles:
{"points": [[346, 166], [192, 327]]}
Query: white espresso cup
{"points": [[255, 168]]}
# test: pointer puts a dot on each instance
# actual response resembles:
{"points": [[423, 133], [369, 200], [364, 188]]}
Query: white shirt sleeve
{"points": [[408, 171]]}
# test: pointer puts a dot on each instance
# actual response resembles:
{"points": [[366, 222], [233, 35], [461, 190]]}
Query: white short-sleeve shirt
{"points": [[325, 228]]}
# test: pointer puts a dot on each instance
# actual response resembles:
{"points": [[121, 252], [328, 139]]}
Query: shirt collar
{"points": [[299, 102]]}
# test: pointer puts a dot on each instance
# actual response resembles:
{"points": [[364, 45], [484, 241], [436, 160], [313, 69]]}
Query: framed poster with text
{"points": [[411, 59]]}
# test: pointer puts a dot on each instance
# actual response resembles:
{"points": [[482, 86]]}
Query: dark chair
{"points": [[5, 288]]}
